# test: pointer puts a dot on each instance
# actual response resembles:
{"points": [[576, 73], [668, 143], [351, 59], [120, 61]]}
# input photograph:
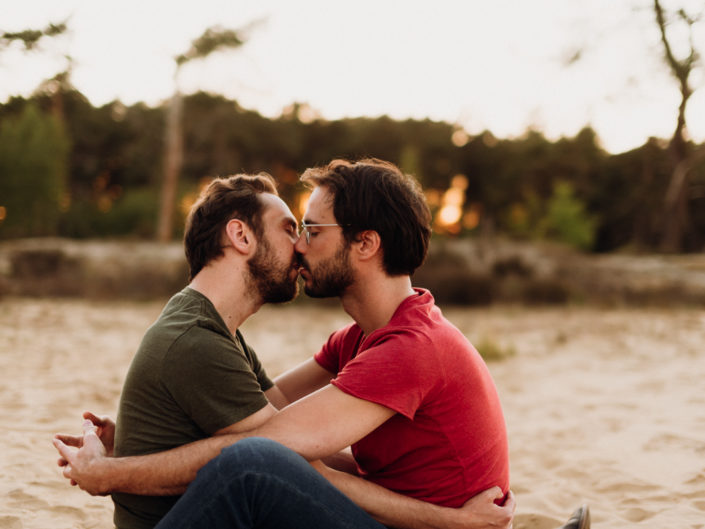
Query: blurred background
{"points": [[560, 144]]}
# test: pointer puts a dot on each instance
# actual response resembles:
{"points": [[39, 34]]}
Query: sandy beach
{"points": [[603, 406]]}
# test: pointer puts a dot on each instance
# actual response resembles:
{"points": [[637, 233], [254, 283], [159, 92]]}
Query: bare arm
{"points": [[315, 427], [91, 469], [296, 383], [343, 461], [276, 397], [396, 510], [303, 380], [170, 472]]}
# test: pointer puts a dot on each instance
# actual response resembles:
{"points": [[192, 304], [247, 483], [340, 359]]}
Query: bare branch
{"points": [[30, 37]]}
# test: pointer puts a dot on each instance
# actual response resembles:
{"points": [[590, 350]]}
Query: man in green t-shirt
{"points": [[194, 376]]}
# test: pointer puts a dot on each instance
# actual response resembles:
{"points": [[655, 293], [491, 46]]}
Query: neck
{"points": [[228, 292], [373, 301]]}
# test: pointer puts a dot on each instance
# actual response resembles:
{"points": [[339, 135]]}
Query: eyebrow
{"points": [[313, 221]]}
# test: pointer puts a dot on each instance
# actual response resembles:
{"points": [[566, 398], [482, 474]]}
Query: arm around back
{"points": [[316, 426]]}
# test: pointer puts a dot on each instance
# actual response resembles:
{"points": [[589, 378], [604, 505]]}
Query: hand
{"points": [[84, 459], [483, 512], [105, 431]]}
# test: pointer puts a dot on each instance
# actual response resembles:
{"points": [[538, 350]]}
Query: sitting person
{"points": [[401, 385]]}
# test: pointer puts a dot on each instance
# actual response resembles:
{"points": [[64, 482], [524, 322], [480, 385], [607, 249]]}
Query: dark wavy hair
{"points": [[372, 194], [224, 199]]}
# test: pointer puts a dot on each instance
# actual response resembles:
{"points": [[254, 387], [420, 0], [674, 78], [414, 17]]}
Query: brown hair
{"points": [[372, 194], [224, 199]]}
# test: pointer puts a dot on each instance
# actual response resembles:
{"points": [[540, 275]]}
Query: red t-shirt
{"points": [[448, 439]]}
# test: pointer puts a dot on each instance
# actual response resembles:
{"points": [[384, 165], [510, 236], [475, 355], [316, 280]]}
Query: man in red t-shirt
{"points": [[401, 385], [447, 440]]}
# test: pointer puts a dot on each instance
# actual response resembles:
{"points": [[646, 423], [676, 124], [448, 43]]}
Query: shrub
{"points": [[33, 161], [566, 220], [491, 351], [450, 280]]}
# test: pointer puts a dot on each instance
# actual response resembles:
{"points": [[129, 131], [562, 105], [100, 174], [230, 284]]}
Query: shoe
{"points": [[580, 519]]}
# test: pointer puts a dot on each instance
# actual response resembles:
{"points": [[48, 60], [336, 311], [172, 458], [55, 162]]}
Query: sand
{"points": [[602, 406]]}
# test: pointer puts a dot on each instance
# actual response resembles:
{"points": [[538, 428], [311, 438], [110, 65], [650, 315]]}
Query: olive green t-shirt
{"points": [[189, 378]]}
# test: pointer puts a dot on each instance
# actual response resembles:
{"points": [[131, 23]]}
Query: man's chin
{"points": [[317, 294], [283, 296]]}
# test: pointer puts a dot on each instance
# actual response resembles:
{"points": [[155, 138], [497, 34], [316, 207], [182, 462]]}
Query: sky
{"points": [[501, 65]]}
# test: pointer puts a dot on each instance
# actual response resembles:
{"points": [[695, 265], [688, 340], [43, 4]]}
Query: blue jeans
{"points": [[260, 483]]}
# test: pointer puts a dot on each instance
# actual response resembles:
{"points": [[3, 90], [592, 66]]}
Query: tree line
{"points": [[71, 169]]}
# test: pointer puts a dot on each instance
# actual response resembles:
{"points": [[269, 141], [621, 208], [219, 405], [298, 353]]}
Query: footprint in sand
{"points": [[637, 514], [27, 501], [10, 522], [534, 521], [664, 441], [641, 487], [71, 511]]}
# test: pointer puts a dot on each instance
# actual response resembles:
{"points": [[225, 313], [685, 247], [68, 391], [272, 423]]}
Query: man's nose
{"points": [[300, 244]]}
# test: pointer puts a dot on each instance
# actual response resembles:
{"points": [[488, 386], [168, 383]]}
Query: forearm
{"points": [[342, 461], [163, 473], [395, 510]]}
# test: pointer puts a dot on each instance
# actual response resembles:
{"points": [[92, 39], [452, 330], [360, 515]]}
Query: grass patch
{"points": [[492, 351]]}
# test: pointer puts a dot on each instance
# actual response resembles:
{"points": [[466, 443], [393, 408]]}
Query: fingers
{"points": [[89, 430], [98, 421], [70, 440], [102, 421], [65, 452], [65, 460], [89, 427], [511, 501], [494, 493], [63, 463], [90, 436]]}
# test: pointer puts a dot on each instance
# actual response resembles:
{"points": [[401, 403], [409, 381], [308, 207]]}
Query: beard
{"points": [[332, 276], [271, 278]]}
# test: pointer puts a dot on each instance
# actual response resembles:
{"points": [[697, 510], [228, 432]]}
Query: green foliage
{"points": [[615, 200], [520, 218], [492, 351], [30, 37], [134, 213], [33, 161], [566, 220], [213, 39]]}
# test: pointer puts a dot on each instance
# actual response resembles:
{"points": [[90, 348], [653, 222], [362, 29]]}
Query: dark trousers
{"points": [[257, 483]]}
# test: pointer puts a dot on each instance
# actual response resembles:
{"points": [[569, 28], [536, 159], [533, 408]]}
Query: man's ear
{"points": [[239, 236], [368, 244]]}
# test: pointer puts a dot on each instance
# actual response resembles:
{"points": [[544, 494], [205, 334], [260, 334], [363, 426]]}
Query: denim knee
{"points": [[257, 454]]}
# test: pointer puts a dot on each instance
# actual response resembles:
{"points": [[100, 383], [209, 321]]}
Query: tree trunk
{"points": [[172, 168], [675, 211]]}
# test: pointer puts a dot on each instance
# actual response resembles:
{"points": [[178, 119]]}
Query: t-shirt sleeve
{"points": [[398, 371], [334, 353], [213, 379]]}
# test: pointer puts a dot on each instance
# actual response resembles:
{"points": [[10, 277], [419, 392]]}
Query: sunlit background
{"points": [[547, 119], [502, 66]]}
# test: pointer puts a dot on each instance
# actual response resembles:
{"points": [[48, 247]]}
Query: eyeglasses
{"points": [[305, 229]]}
